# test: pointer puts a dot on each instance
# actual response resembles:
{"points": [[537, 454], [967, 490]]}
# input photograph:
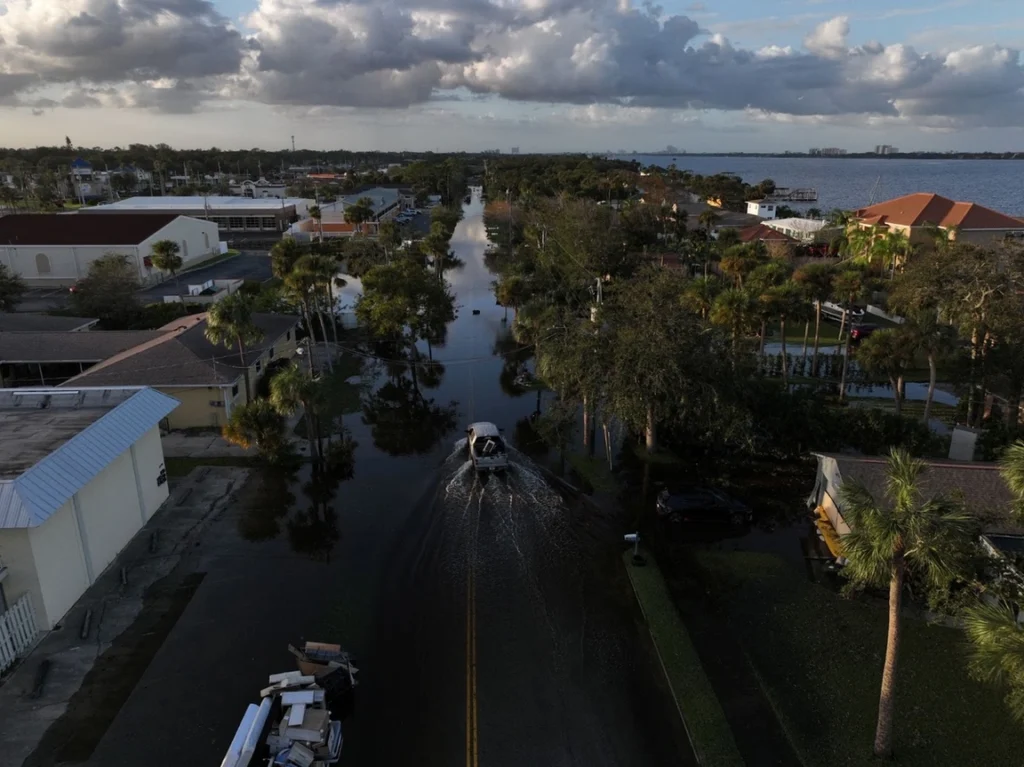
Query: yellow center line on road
{"points": [[472, 750]]}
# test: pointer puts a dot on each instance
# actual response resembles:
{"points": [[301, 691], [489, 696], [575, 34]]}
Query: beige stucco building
{"points": [[57, 248], [81, 472], [916, 216]]}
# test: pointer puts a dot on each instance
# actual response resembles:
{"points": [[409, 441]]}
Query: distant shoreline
{"points": [[851, 156]]}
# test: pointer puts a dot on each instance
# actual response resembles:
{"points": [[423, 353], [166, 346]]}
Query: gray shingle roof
{"points": [[980, 485], [30, 498], [186, 359], [22, 321], [52, 346]]}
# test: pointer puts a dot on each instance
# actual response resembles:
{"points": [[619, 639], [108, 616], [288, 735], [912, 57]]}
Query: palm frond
{"points": [[1011, 465]]}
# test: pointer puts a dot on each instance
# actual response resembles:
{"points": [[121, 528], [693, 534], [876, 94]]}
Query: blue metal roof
{"points": [[33, 497]]}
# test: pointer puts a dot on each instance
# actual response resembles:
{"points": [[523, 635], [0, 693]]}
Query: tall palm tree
{"points": [[708, 219], [892, 537], [997, 651], [292, 388], [317, 274], [733, 310], [165, 258], [849, 286], [1011, 466], [700, 294], [283, 256], [229, 323], [317, 215], [816, 282]]}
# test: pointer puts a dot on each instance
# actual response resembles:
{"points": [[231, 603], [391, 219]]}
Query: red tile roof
{"points": [[78, 229], [921, 208], [762, 233]]}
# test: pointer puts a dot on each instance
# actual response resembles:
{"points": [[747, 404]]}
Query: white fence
{"points": [[17, 631]]}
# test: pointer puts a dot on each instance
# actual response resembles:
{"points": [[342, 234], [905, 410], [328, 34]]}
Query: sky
{"points": [[543, 75]]}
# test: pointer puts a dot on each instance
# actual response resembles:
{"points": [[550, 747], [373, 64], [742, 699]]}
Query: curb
{"points": [[661, 661]]}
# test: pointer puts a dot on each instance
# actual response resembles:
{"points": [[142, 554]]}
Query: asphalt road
{"points": [[492, 622]]}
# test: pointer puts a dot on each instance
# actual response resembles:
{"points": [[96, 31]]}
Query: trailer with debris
{"points": [[297, 722]]}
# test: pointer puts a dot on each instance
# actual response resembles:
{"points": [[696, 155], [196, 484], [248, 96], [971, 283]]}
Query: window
{"points": [[234, 390], [206, 241], [259, 366], [42, 263], [236, 222], [269, 222], [222, 223], [216, 403], [184, 250], [252, 222], [288, 336], [271, 352]]}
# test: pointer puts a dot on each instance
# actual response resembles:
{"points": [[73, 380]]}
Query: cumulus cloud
{"points": [[605, 56]]}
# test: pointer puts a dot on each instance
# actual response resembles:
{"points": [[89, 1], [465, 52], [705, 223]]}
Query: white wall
{"points": [[67, 264], [188, 233], [110, 513], [16, 555], [60, 567], [831, 482], [149, 458]]}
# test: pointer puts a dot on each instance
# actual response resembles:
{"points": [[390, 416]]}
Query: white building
{"points": [[81, 471], [259, 190], [230, 214], [57, 248], [804, 230], [761, 208]]}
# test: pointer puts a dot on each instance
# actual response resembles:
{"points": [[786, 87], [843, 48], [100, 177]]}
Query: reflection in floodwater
{"points": [[404, 422]]}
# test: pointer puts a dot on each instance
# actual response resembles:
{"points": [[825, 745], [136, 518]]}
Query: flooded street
{"points": [[491, 621]]}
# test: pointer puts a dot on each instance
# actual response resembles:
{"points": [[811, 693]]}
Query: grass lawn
{"points": [[705, 721], [819, 659], [180, 467], [795, 335], [911, 408]]}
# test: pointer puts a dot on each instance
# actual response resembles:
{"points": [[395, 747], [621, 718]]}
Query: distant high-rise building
{"points": [[886, 149], [671, 150], [514, 150], [828, 151]]}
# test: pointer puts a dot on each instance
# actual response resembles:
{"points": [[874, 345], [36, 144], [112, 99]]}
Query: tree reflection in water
{"points": [[403, 421], [313, 531], [268, 500]]}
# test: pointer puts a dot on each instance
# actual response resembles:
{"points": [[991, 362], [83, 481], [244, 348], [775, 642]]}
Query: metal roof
{"points": [[197, 204], [33, 497]]}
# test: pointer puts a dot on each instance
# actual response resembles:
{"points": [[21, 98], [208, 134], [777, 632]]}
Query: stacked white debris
{"points": [[305, 735]]}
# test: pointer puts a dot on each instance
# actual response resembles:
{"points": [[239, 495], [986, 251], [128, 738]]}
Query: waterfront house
{"points": [[761, 208], [917, 215]]}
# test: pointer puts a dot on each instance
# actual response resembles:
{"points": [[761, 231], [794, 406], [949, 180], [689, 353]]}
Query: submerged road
{"points": [[492, 622]]}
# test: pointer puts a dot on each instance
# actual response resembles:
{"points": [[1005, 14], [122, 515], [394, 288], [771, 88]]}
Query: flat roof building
{"points": [[81, 472], [231, 214]]}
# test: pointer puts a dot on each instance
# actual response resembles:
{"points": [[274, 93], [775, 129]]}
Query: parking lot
{"points": [[251, 265]]}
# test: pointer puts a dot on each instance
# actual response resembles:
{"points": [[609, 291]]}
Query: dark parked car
{"points": [[697, 504], [860, 332]]}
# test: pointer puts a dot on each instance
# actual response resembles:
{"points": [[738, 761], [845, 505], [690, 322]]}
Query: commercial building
{"points": [[209, 381], [230, 214], [81, 471], [917, 216], [57, 248], [27, 321], [386, 202], [51, 357]]}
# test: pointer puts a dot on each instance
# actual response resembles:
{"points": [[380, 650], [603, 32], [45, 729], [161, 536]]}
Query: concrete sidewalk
{"points": [[150, 561]]}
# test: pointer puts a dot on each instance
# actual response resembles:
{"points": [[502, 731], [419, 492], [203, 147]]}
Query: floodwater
{"points": [[493, 608]]}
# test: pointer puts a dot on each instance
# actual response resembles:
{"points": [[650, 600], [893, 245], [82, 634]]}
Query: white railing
{"points": [[17, 631]]}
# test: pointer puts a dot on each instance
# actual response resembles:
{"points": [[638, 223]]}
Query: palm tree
{"points": [[733, 309], [229, 322], [708, 219], [291, 388], [1011, 466], [892, 537], [316, 214], [787, 302], [997, 651], [316, 274], [814, 213], [700, 294], [283, 256], [359, 212], [816, 282], [165, 258], [257, 424]]}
